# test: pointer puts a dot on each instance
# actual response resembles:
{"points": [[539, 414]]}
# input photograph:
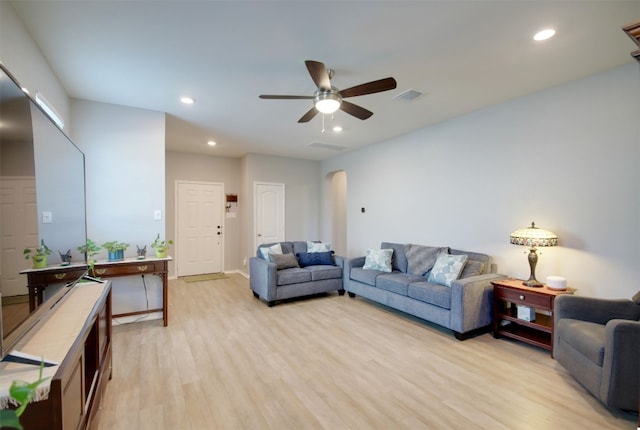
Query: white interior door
{"points": [[200, 228], [19, 230], [269, 212]]}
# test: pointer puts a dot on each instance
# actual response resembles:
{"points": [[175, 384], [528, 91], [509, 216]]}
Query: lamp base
{"points": [[533, 283]]}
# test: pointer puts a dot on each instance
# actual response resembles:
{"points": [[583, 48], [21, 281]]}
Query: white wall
{"points": [[125, 175], [20, 54], [566, 158]]}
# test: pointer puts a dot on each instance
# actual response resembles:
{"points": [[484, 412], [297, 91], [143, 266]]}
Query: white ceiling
{"points": [[463, 55]]}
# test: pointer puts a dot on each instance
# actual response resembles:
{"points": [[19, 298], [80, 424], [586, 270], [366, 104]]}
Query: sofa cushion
{"points": [[420, 258], [434, 294], [318, 247], [378, 259], [396, 282], [284, 261], [472, 268], [270, 249], [474, 256], [447, 269], [292, 276], [398, 260], [585, 337], [319, 273], [365, 276], [315, 258], [636, 298]]}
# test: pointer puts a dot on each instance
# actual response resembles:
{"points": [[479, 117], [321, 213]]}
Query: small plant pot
{"points": [[161, 251], [116, 255], [39, 261]]}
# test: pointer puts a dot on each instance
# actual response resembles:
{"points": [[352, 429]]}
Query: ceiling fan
{"points": [[328, 99]]}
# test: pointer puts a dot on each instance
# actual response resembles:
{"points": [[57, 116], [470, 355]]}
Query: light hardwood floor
{"points": [[227, 361]]}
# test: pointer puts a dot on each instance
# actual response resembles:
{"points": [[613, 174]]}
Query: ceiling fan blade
{"points": [[319, 74], [309, 115], [369, 88], [281, 97], [355, 110]]}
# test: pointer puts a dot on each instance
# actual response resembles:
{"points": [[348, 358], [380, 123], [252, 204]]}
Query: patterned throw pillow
{"points": [[315, 258], [318, 247], [284, 261], [447, 269], [273, 249], [378, 259]]}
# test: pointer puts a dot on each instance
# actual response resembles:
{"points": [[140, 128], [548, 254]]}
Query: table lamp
{"points": [[533, 237]]}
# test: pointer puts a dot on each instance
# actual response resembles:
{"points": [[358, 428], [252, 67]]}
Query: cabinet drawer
{"points": [[53, 277], [528, 298], [127, 269]]}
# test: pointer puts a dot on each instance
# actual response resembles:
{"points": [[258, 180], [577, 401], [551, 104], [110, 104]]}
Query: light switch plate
{"points": [[157, 214], [47, 217]]}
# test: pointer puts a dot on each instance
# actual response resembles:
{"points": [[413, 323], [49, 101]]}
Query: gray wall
{"points": [[202, 168], [302, 196], [566, 158]]}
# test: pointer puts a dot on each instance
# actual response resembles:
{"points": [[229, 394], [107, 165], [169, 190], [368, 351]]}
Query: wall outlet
{"points": [[157, 214]]}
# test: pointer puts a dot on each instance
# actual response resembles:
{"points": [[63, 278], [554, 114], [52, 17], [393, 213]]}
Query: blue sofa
{"points": [[270, 283], [464, 307]]}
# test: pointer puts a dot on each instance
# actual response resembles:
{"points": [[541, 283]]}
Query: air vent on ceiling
{"points": [[325, 145], [409, 94]]}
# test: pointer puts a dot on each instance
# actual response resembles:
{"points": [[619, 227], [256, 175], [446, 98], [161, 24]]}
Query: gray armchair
{"points": [[598, 342]]}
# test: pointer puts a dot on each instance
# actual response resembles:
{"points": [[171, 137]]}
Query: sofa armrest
{"points": [[472, 302], [350, 263], [262, 278], [593, 309], [621, 364], [340, 261]]}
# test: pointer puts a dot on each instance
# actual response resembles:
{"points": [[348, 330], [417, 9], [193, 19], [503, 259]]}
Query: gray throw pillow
{"points": [[472, 268], [421, 258], [284, 261]]}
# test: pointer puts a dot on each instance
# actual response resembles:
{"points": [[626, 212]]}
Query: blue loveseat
{"points": [[464, 306], [293, 272]]}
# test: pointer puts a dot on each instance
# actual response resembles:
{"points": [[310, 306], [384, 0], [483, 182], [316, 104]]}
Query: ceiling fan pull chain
{"points": [[322, 123]]}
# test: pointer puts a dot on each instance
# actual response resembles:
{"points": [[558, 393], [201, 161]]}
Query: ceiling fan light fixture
{"points": [[327, 102]]}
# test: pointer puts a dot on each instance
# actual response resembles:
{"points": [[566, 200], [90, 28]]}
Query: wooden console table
{"points": [[77, 335], [39, 279]]}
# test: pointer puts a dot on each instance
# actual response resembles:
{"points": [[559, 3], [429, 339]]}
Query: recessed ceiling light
{"points": [[211, 143], [337, 129], [187, 100], [544, 34]]}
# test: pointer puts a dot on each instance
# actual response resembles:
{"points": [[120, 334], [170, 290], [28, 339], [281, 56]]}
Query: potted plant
{"points": [[40, 256], [161, 246], [22, 392], [115, 249], [89, 249]]}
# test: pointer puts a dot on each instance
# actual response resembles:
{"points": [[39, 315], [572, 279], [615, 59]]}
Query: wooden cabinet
{"points": [[39, 279], [83, 325], [508, 295]]}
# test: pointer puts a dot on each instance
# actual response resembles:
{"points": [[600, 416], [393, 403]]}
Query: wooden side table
{"points": [[508, 294]]}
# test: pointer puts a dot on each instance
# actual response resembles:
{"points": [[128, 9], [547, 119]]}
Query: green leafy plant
{"points": [[89, 249], [114, 246], [161, 246], [159, 243], [40, 251], [22, 392]]}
